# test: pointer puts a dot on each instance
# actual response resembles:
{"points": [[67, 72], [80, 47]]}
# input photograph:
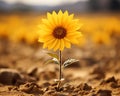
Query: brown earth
{"points": [[23, 72]]}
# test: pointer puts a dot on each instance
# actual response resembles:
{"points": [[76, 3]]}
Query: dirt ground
{"points": [[23, 72]]}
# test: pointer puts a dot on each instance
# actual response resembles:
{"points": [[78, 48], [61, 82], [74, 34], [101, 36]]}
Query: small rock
{"points": [[98, 73], [9, 76], [32, 71], [49, 92], [3, 66], [58, 94], [84, 86], [104, 93], [46, 84], [68, 88], [83, 93], [111, 79], [76, 89], [114, 85], [31, 88]]}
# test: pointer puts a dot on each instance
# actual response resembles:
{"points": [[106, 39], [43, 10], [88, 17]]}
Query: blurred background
{"points": [[76, 6], [100, 18]]}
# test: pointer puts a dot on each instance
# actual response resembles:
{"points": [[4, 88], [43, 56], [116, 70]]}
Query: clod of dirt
{"points": [[59, 94], [68, 88], [114, 85], [84, 86], [1, 85], [49, 93], [104, 93], [31, 88], [3, 66], [9, 76], [98, 73], [29, 78], [32, 71], [111, 81], [46, 84]]}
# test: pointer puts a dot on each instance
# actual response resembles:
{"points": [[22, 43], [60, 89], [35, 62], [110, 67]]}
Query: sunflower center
{"points": [[59, 32]]}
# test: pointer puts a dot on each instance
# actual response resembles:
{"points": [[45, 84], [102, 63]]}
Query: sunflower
{"points": [[59, 31]]}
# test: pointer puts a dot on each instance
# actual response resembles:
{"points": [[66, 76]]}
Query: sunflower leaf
{"points": [[69, 62], [53, 55], [54, 60], [49, 61]]}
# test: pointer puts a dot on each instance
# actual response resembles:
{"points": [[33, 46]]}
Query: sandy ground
{"points": [[23, 72]]}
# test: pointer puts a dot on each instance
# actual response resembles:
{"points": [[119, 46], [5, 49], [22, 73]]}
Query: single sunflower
{"points": [[59, 31]]}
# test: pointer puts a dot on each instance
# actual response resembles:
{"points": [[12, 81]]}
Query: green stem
{"points": [[60, 71], [60, 66]]}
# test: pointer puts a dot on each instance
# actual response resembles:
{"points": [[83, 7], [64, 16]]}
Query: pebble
{"points": [[9, 76]]}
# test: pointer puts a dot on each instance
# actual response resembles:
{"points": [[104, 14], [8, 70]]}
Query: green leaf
{"points": [[54, 60], [69, 62], [49, 61], [53, 55]]}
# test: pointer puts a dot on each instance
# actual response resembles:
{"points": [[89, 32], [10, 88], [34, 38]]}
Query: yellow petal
{"points": [[55, 19], [60, 15], [71, 17], [67, 43], [47, 43], [45, 38], [53, 44], [62, 44], [47, 23], [57, 45], [68, 21], [74, 34], [73, 40], [51, 19], [66, 13]]}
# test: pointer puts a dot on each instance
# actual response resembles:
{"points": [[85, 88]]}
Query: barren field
{"points": [[23, 71]]}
